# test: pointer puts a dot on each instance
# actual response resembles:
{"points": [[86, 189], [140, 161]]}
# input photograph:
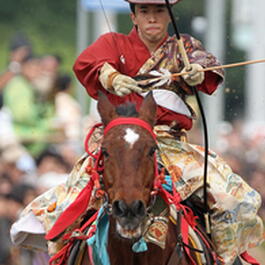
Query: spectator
{"points": [[5, 243], [46, 81], [52, 169], [67, 109], [21, 194], [15, 200], [17, 165], [33, 120], [19, 49], [5, 187]]}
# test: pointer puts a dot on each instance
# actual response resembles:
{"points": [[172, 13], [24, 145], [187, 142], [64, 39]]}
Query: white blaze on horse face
{"points": [[131, 137]]}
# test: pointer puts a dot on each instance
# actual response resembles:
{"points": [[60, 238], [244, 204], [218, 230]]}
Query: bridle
{"points": [[130, 121], [99, 158], [95, 171], [159, 178]]}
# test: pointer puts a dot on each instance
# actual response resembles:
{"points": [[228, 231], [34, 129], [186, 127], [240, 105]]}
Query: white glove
{"points": [[117, 83], [194, 77]]}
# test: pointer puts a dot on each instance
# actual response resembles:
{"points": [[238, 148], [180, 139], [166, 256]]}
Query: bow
{"points": [[204, 122]]}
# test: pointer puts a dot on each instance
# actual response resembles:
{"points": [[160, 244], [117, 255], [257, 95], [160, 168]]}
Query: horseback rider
{"points": [[112, 62], [110, 65]]}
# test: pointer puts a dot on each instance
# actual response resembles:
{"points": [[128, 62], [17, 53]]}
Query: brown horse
{"points": [[130, 171]]}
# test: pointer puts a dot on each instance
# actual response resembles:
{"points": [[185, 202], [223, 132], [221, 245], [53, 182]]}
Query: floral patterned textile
{"points": [[156, 72], [235, 224], [168, 57]]}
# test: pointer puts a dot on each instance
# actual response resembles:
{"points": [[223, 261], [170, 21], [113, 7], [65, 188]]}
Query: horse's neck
{"points": [[120, 250]]}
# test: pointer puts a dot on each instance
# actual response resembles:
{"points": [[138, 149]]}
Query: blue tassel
{"points": [[140, 246], [91, 240], [168, 185]]}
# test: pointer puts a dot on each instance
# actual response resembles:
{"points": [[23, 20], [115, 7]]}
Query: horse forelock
{"points": [[127, 110]]}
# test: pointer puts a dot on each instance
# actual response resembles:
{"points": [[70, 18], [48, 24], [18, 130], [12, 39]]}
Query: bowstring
{"points": [[113, 36], [205, 129], [196, 94]]}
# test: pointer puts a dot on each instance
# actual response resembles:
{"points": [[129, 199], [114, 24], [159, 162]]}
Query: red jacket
{"points": [[127, 53]]}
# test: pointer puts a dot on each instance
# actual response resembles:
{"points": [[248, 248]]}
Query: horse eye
{"points": [[104, 152], [152, 150]]}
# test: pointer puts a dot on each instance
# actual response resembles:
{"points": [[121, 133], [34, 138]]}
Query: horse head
{"points": [[129, 164]]}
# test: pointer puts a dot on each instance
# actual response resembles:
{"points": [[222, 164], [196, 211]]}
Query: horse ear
{"points": [[148, 109], [106, 110]]}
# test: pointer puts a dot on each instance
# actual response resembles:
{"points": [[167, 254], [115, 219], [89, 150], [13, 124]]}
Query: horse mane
{"points": [[127, 109]]}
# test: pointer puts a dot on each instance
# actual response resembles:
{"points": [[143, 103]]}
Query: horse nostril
{"points": [[138, 208], [119, 208]]}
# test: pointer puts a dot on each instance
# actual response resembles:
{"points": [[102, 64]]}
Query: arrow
{"points": [[223, 66], [163, 76]]}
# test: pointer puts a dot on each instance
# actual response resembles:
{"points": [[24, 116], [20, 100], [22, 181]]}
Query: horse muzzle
{"points": [[129, 218]]}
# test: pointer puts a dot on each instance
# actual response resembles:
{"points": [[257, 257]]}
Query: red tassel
{"points": [[249, 259], [72, 212]]}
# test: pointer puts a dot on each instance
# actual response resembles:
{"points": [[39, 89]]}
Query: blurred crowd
{"points": [[41, 139]]}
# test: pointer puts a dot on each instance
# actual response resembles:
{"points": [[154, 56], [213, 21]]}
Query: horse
{"points": [[131, 180]]}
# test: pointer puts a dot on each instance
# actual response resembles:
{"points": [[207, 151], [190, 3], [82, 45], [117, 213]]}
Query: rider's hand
{"points": [[117, 83], [194, 77]]}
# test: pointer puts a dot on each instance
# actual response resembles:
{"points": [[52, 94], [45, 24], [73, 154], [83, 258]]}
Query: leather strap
{"points": [[131, 121], [176, 255], [178, 252]]}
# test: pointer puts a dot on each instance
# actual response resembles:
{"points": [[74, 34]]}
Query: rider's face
{"points": [[152, 22]]}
